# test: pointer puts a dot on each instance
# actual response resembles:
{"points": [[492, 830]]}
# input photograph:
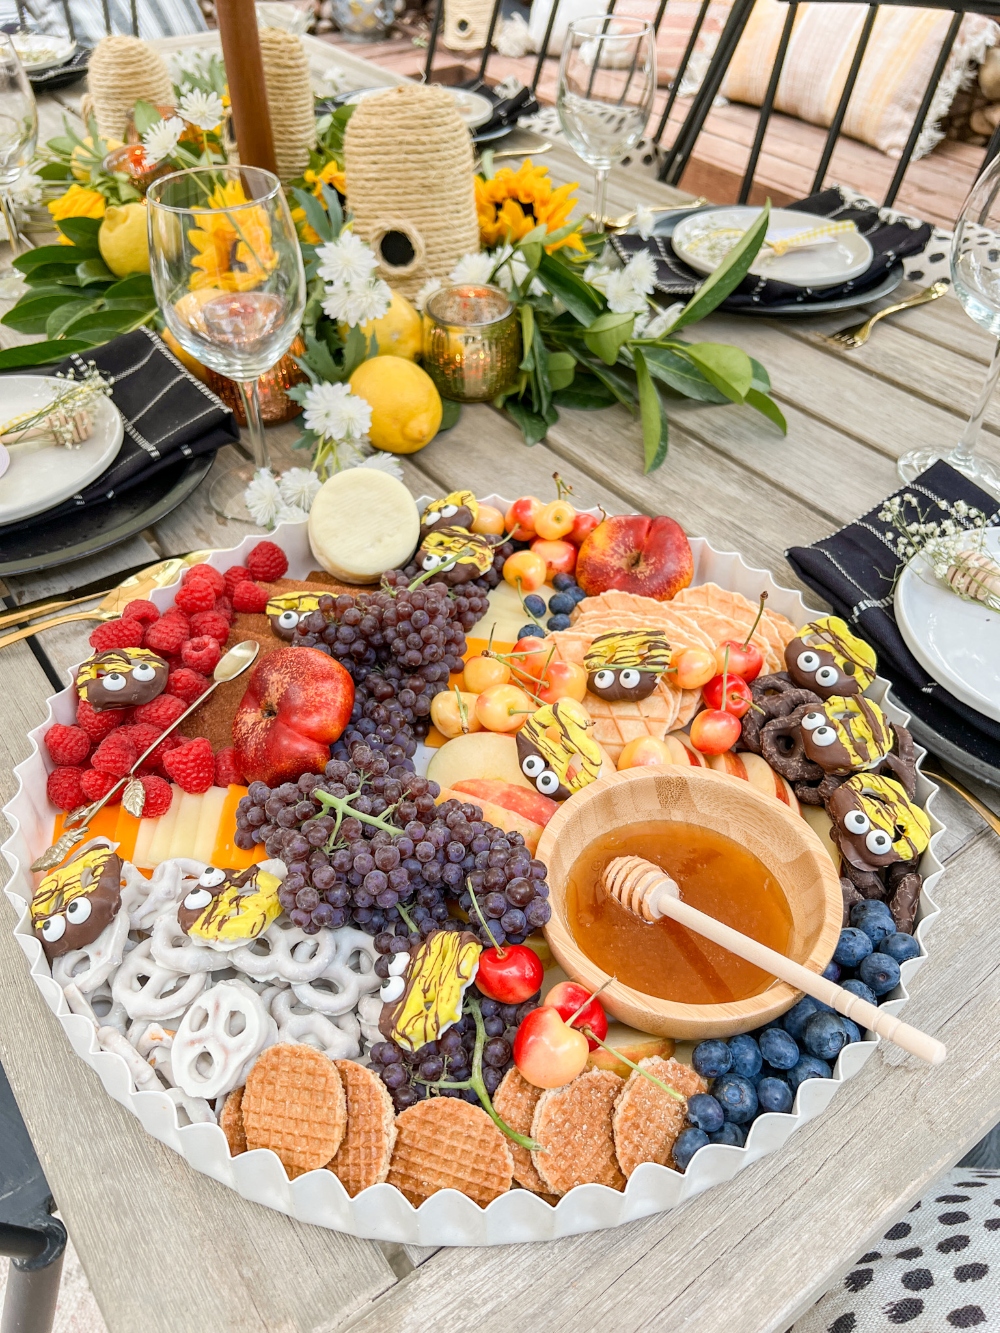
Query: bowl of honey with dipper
{"points": [[627, 846]]}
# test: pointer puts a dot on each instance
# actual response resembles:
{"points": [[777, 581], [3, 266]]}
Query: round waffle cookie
{"points": [[363, 1156], [647, 1120], [444, 1143], [294, 1104], [729, 615], [231, 1120], [573, 1124], [515, 1101]]}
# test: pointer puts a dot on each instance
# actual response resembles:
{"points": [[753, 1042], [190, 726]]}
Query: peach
{"points": [[529, 804], [643, 751], [681, 752], [634, 553]]}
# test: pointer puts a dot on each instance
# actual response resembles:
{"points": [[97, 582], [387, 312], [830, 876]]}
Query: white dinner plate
{"points": [[846, 257], [39, 51], [40, 477], [955, 641], [474, 109]]}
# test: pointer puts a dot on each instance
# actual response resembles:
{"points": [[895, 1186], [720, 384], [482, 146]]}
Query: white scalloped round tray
{"points": [[448, 1218]]}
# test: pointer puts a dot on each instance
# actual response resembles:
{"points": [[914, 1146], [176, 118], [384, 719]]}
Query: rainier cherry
{"points": [[714, 731], [568, 997], [547, 1051], [520, 518], [694, 667], [745, 658]]}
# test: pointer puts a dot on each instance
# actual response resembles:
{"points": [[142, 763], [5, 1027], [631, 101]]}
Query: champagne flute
{"points": [[18, 133], [975, 275], [228, 276], [607, 82]]}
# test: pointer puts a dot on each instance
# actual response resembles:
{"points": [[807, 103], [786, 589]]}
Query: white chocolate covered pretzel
{"points": [[225, 1028], [339, 1037], [149, 990], [89, 967], [351, 974], [285, 952]]}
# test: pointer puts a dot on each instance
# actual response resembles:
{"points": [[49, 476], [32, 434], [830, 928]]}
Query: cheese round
{"points": [[362, 523]]}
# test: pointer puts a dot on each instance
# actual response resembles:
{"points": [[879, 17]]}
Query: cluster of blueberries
{"points": [[568, 593], [758, 1072]]}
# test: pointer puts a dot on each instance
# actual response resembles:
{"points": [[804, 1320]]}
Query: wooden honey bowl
{"points": [[781, 840]]}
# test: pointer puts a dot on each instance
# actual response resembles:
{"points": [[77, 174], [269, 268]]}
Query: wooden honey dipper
{"points": [[647, 891]]}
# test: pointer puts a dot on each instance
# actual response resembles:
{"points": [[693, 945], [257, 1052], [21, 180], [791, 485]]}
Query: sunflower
{"points": [[330, 174], [234, 249], [77, 202], [512, 203]]}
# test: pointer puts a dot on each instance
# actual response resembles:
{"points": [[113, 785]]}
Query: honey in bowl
{"points": [[662, 958]]}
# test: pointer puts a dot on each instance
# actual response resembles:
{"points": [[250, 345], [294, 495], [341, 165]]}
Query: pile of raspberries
{"points": [[101, 747]]}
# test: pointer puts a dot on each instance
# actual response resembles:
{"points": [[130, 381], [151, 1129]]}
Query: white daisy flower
{"points": [[356, 414], [372, 302], [27, 189], [474, 268], [346, 260], [263, 499], [664, 321], [202, 109], [383, 462], [641, 272], [622, 296], [331, 410], [431, 286], [645, 220], [291, 514], [299, 486], [160, 140]]}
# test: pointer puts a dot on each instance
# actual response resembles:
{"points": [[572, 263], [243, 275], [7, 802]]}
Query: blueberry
{"points": [[561, 604], [880, 973], [774, 1094], [712, 1058], [738, 1097], [874, 918], [852, 1029], [557, 622], [686, 1144], [852, 946], [808, 1067], [577, 593], [534, 605], [531, 632], [825, 1036], [779, 1048], [563, 582], [705, 1112], [747, 1058], [901, 947], [795, 1020], [832, 972], [733, 1135], [860, 989]]}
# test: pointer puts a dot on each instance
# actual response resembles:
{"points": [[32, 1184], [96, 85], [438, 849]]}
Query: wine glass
{"points": [[607, 82], [975, 275], [18, 132], [227, 272]]}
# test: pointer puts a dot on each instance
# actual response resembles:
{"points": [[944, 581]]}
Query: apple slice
{"points": [[761, 775], [478, 754], [635, 1046], [499, 817], [531, 805], [682, 752], [730, 763]]}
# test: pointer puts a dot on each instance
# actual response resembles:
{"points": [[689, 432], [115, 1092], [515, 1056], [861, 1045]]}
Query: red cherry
{"points": [[738, 697], [745, 659], [583, 526], [567, 997], [510, 975], [714, 731]]}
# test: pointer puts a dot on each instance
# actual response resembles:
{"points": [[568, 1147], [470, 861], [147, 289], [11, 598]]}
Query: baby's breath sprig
{"points": [[954, 547]]}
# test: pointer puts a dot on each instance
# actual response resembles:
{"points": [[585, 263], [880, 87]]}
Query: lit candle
{"points": [[472, 342], [245, 75]]}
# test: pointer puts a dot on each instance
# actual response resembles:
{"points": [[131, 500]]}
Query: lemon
{"points": [[406, 407], [87, 153], [399, 332], [185, 358], [122, 240]]}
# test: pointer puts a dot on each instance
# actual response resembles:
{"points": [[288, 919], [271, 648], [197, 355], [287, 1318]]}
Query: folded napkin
{"points": [[168, 415], [507, 111], [854, 570], [890, 241]]}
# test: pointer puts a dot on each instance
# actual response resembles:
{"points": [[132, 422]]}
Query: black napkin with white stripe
{"points": [[854, 570], [168, 416]]}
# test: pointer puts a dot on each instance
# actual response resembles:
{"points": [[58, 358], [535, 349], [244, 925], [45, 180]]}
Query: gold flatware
{"points": [[626, 219], [858, 334], [536, 150], [937, 775], [77, 825], [87, 592]]}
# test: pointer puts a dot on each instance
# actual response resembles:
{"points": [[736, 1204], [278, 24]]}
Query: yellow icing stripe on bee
{"points": [[438, 976], [559, 732], [456, 498], [833, 634], [463, 549], [235, 914], [861, 728], [889, 808], [645, 648], [292, 601], [73, 880], [114, 659]]}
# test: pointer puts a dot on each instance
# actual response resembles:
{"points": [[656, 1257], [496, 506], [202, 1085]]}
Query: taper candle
{"points": [[245, 74]]}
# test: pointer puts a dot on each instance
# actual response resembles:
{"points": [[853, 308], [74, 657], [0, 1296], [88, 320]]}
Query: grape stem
{"points": [[407, 919], [589, 1032], [342, 805], [479, 912]]}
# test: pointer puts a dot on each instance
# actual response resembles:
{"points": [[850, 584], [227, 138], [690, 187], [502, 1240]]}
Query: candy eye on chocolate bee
{"points": [[144, 672], [547, 782], [53, 929], [824, 736], [532, 765], [629, 678], [878, 842], [79, 911], [813, 720], [211, 878], [398, 964], [288, 620], [604, 679], [197, 899], [807, 662], [449, 511], [391, 990], [431, 561], [114, 680], [827, 676], [855, 821]]}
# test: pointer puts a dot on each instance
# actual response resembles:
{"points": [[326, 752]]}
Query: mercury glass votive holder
{"points": [[472, 342]]}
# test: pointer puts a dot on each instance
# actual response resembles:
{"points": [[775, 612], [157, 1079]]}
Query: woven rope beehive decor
{"points": [[466, 23], [124, 70], [289, 100], [408, 161]]}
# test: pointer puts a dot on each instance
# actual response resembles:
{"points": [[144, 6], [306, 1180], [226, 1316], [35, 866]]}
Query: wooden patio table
{"points": [[166, 1249]]}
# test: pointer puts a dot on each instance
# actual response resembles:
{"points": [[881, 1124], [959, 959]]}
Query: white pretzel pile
{"points": [[223, 1031]]}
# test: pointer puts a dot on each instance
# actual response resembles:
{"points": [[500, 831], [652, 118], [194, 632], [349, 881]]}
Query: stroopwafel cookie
{"points": [[647, 1120], [363, 1156], [574, 1125], [231, 1122], [445, 1143], [515, 1101], [294, 1104]]}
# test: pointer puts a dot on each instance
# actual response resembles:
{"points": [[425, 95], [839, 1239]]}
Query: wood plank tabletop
{"points": [[166, 1249]]}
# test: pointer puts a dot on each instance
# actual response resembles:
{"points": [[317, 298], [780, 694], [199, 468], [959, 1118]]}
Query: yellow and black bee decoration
{"points": [[828, 659], [453, 556], [75, 902], [847, 735], [876, 824], [286, 609], [121, 678], [555, 750], [230, 905], [422, 1002], [626, 664], [457, 510]]}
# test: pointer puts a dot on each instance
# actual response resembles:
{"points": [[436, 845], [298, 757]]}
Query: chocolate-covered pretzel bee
{"points": [[875, 823], [422, 997], [454, 556], [75, 902], [286, 609], [626, 664], [457, 510], [121, 678], [847, 735], [827, 658], [555, 750], [226, 906]]}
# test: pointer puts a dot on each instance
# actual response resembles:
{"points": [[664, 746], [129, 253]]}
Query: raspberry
{"points": [[115, 755], [94, 784], [227, 770], [191, 766], [167, 635], [250, 597], [235, 575], [267, 562], [175, 614], [201, 654], [158, 796], [155, 760], [198, 595], [224, 607], [187, 684], [161, 712], [209, 574], [63, 787], [140, 610], [213, 623], [67, 745], [124, 633], [98, 725], [142, 736]]}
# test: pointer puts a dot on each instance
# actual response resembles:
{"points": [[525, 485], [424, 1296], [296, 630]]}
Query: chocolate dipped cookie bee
{"points": [[229, 907], [286, 609], [121, 678], [556, 752], [627, 664], [422, 997], [457, 510], [847, 735], [875, 824], [76, 902], [453, 556], [827, 658]]}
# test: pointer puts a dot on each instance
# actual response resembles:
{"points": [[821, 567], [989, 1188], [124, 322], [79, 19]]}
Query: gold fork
{"points": [[858, 334]]}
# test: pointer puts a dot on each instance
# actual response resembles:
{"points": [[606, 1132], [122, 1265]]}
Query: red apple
{"points": [[744, 659], [510, 975], [297, 703], [714, 731], [547, 1051], [738, 699], [567, 997], [633, 553], [583, 526]]}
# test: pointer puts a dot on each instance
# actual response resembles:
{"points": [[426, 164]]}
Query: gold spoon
{"points": [[77, 825]]}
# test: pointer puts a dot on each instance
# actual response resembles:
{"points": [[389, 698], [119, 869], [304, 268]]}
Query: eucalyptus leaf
{"points": [[450, 413], [583, 302], [728, 276], [93, 270], [727, 368], [681, 375], [41, 353], [768, 408], [83, 234]]}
